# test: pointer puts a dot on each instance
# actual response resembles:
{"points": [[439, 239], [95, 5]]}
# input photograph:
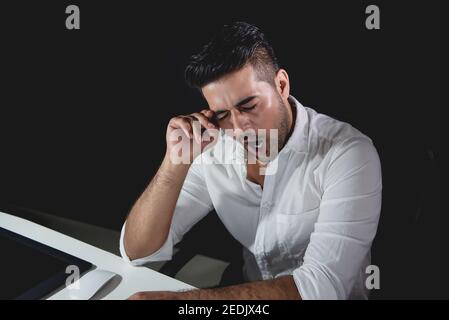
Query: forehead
{"points": [[225, 92]]}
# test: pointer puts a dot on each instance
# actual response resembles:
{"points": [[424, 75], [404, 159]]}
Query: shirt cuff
{"points": [[310, 287], [163, 254]]}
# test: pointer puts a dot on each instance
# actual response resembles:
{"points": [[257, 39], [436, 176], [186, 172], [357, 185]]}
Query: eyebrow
{"points": [[239, 104]]}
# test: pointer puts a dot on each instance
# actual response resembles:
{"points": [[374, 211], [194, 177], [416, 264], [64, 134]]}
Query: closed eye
{"points": [[224, 114], [221, 115], [248, 108]]}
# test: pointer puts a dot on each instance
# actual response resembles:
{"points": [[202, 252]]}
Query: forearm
{"points": [[149, 220], [282, 288]]}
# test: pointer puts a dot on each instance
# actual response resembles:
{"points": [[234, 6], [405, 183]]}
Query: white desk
{"points": [[134, 279]]}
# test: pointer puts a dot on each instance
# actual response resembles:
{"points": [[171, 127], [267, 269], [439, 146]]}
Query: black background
{"points": [[84, 112]]}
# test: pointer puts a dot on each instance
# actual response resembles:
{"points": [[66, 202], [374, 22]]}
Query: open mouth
{"points": [[259, 144], [253, 144]]}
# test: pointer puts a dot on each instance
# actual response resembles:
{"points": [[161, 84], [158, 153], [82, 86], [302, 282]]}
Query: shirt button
{"points": [[266, 204]]}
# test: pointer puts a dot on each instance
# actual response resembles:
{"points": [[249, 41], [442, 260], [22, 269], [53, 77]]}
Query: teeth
{"points": [[255, 143]]}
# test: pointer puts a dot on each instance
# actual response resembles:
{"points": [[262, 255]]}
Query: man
{"points": [[306, 226]]}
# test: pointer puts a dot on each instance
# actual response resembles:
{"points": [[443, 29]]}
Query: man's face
{"points": [[245, 104]]}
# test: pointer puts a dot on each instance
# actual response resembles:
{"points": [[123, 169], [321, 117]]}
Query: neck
{"points": [[291, 121]]}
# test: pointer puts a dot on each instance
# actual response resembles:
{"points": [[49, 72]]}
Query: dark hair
{"points": [[231, 49]]}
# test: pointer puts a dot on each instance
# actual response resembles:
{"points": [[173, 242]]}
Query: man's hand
{"points": [[193, 133], [282, 288], [156, 295]]}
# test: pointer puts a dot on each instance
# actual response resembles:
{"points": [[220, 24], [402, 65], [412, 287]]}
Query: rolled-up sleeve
{"points": [[192, 205], [346, 225]]}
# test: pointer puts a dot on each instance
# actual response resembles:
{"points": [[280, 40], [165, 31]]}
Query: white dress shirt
{"points": [[315, 218]]}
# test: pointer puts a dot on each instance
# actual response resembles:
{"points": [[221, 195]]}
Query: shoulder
{"points": [[341, 146], [325, 128]]}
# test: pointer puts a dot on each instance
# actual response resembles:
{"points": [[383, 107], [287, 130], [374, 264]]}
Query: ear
{"points": [[282, 83]]}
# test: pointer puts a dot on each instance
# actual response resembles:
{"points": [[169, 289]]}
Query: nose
{"points": [[239, 121]]}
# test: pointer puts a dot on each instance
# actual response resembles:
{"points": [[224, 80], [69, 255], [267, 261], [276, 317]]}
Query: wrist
{"points": [[173, 168], [187, 295]]}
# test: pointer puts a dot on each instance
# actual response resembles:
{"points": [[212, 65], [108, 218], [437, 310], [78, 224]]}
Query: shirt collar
{"points": [[299, 138]]}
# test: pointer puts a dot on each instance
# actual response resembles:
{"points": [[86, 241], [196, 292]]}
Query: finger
{"points": [[184, 124], [196, 128], [196, 125], [203, 119], [204, 122], [210, 114], [207, 112]]}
